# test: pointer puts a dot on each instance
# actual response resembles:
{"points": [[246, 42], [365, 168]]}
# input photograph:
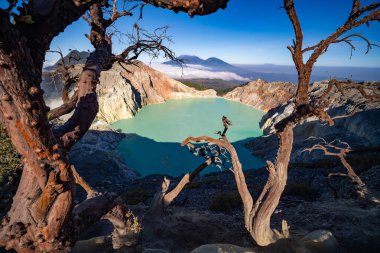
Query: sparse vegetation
{"points": [[201, 84], [135, 196], [193, 185], [205, 182], [10, 162], [10, 169], [225, 202]]}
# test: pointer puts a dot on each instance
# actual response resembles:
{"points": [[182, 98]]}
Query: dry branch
{"points": [[150, 43], [80, 181], [43, 217], [257, 214], [359, 15], [340, 150], [163, 198]]}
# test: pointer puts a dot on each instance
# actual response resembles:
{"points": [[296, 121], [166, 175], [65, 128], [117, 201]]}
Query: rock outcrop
{"points": [[341, 106], [355, 122], [126, 88], [98, 161], [262, 95]]}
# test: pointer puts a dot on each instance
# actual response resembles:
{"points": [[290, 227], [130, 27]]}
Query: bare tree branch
{"points": [[141, 41], [116, 14], [355, 19], [340, 149], [351, 23], [257, 214], [65, 108]]}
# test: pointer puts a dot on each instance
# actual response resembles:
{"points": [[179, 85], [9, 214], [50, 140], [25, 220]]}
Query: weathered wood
{"points": [[42, 218], [162, 198], [329, 149], [257, 214]]}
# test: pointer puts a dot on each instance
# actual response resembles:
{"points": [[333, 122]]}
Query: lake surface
{"points": [[152, 145]]}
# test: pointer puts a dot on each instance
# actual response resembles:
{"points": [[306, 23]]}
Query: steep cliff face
{"points": [[356, 123], [126, 88], [341, 106], [107, 170], [262, 95]]}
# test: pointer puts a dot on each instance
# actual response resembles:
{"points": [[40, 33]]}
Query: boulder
{"points": [[221, 248], [98, 161], [319, 241]]}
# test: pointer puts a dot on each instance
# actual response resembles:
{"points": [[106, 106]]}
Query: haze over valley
{"points": [[215, 68]]}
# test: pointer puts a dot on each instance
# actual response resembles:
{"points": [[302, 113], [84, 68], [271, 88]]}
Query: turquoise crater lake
{"points": [[152, 145]]}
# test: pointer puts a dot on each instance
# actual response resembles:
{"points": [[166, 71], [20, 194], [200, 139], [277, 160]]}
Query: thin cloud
{"points": [[192, 71]]}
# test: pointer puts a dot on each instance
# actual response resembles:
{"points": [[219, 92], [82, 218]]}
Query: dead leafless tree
{"points": [[370, 94], [42, 217], [256, 213], [213, 153], [340, 149], [257, 220]]}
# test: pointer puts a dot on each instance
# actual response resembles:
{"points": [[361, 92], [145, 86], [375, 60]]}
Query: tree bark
{"points": [[41, 206], [259, 216], [42, 218]]}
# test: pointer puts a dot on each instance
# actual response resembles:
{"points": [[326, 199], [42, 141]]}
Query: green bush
{"points": [[211, 181], [10, 170], [220, 91], [225, 202], [10, 161]]}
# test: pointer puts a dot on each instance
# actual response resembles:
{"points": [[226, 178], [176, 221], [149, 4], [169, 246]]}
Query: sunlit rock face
{"points": [[356, 121], [262, 95], [126, 88], [340, 106]]}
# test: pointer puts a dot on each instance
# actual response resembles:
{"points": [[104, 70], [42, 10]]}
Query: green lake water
{"points": [[152, 145]]}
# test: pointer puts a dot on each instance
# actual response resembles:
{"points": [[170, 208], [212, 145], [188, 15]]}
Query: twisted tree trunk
{"points": [[38, 219], [44, 198], [259, 216], [42, 217], [257, 213]]}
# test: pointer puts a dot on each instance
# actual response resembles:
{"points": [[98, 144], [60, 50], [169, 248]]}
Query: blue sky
{"points": [[246, 32]]}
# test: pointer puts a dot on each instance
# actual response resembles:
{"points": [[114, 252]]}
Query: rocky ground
{"points": [[356, 124], [97, 159], [308, 204], [209, 209]]}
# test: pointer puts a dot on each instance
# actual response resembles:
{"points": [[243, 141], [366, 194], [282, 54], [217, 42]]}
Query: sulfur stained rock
{"points": [[262, 95], [123, 90]]}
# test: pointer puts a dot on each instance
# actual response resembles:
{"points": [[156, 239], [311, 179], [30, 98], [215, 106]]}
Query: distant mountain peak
{"points": [[217, 62], [190, 59], [193, 59]]}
